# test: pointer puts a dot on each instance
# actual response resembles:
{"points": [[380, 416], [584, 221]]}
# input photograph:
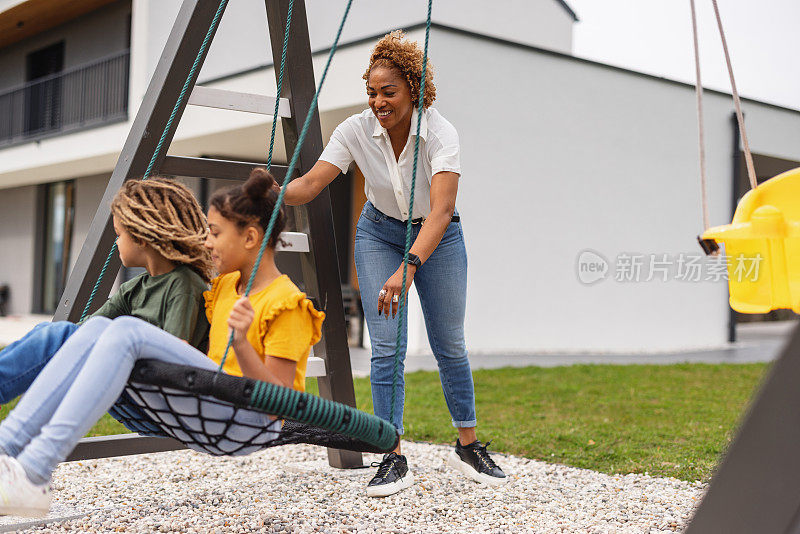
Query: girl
{"points": [[161, 227], [273, 333]]}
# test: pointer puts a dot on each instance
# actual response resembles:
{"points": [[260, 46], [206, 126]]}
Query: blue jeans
{"points": [[442, 287], [21, 361], [86, 376]]}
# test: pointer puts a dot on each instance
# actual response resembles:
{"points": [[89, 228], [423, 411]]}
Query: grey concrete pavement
{"points": [[758, 342]]}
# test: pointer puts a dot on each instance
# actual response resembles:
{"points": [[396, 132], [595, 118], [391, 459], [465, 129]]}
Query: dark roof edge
{"points": [[505, 42], [569, 10]]}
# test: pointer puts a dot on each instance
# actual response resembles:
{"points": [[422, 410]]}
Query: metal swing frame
{"points": [[318, 273]]}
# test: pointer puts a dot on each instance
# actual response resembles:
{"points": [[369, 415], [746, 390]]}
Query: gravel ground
{"points": [[291, 489]]}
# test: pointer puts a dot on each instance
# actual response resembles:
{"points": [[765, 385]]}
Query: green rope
{"points": [[211, 29], [403, 296], [280, 82], [290, 170], [323, 413]]}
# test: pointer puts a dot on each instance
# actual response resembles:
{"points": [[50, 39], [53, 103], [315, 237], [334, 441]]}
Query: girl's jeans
{"points": [[442, 287], [86, 376], [21, 361]]}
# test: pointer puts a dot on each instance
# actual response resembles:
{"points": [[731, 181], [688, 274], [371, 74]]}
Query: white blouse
{"points": [[362, 139]]}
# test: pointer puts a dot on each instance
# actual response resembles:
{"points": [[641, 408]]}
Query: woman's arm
{"points": [[279, 371], [444, 188], [305, 188]]}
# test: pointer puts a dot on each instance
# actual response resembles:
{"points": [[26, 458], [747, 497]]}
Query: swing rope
{"points": [[211, 29], [748, 157], [403, 293], [290, 170], [698, 87], [280, 82], [709, 246]]}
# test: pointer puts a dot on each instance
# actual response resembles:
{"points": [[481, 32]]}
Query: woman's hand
{"points": [[305, 188], [389, 296], [240, 319]]}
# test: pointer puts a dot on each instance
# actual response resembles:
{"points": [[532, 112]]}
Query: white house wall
{"points": [[541, 23], [18, 222], [773, 131], [561, 155], [64, 157], [240, 43], [88, 192], [17, 229]]}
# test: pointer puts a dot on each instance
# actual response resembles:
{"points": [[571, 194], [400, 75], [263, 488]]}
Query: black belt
{"points": [[420, 220]]}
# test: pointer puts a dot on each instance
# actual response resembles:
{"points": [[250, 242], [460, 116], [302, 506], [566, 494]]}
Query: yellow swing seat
{"points": [[762, 246]]}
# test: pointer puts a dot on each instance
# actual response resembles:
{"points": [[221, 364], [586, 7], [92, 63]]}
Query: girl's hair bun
{"points": [[251, 203], [259, 184]]}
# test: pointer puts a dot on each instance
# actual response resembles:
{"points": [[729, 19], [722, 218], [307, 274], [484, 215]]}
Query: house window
{"points": [[59, 214], [43, 93]]}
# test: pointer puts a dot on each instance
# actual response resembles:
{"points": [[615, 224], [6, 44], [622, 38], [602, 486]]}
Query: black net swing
{"points": [[169, 400], [220, 414]]}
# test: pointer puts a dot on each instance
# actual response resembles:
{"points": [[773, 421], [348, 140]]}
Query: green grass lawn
{"points": [[666, 420]]}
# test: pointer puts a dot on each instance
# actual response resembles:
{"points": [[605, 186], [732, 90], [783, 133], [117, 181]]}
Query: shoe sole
{"points": [[384, 490], [464, 468], [23, 511]]}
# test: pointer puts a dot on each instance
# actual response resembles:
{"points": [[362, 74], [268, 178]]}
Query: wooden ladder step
{"points": [[121, 445], [215, 168], [293, 242], [316, 367], [235, 101]]}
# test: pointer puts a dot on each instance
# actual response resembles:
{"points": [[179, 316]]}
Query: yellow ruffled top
{"points": [[285, 325]]}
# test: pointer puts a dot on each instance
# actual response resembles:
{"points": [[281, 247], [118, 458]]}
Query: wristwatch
{"points": [[414, 260]]}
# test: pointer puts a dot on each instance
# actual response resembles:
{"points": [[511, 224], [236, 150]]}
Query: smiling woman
{"points": [[380, 141]]}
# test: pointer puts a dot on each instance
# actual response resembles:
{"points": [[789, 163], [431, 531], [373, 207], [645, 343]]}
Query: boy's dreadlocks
{"points": [[164, 214]]}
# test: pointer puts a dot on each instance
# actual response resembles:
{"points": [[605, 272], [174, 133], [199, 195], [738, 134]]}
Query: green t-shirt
{"points": [[172, 301]]}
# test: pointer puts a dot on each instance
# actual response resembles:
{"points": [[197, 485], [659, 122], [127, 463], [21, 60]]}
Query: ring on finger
{"points": [[396, 298], [381, 293]]}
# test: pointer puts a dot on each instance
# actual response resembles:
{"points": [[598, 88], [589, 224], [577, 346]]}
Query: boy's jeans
{"points": [[86, 377], [21, 362]]}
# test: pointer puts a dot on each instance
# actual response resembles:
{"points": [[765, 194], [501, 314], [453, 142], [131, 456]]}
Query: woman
{"points": [[381, 142]]}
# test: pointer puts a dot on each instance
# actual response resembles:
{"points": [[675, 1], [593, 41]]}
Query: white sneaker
{"points": [[18, 495]]}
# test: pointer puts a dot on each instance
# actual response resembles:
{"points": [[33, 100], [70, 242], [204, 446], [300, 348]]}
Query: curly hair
{"points": [[163, 213], [396, 52]]}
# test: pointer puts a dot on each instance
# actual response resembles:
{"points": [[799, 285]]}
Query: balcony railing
{"points": [[89, 95]]}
